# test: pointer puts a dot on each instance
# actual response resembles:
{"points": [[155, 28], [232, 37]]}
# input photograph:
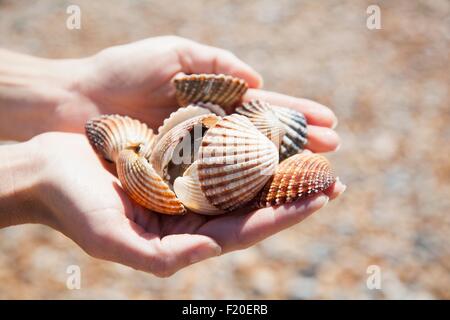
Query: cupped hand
{"points": [[135, 80], [85, 202]]}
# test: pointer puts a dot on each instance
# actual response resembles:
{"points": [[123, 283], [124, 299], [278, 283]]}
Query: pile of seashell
{"points": [[209, 162]]}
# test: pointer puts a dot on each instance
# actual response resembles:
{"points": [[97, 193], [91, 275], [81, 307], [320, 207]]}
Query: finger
{"points": [[315, 113], [321, 139], [241, 231], [199, 58], [336, 189], [129, 244]]}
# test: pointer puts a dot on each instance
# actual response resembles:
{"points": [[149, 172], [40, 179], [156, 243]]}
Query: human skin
{"points": [[58, 180]]}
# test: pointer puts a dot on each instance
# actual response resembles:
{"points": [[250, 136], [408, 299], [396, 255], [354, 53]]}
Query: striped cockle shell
{"points": [[144, 185], [262, 116], [179, 116], [185, 136], [109, 134], [297, 177], [295, 125], [235, 161], [220, 89]]}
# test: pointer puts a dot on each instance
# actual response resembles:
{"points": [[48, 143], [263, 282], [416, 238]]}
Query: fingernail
{"points": [[323, 198], [344, 186], [261, 81], [202, 253], [338, 147], [335, 123]]}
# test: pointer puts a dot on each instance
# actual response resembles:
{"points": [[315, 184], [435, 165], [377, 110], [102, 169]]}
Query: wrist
{"points": [[21, 168]]}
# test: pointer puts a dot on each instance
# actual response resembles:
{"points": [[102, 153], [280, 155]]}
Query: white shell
{"points": [[188, 190], [180, 136], [179, 116]]}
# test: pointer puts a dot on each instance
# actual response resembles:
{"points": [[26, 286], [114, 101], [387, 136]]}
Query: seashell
{"points": [[109, 134], [297, 177], [262, 116], [296, 135], [234, 163], [214, 108], [223, 90], [179, 146], [179, 116], [141, 182], [188, 190]]}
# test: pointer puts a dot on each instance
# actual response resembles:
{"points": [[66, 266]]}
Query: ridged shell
{"points": [[109, 134], [223, 90], [214, 108], [141, 182], [295, 126], [262, 116], [297, 177], [188, 190], [164, 150], [235, 162], [179, 116]]}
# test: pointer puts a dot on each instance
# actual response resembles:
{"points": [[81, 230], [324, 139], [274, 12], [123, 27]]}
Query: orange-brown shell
{"points": [[141, 182], [297, 177], [220, 89]]}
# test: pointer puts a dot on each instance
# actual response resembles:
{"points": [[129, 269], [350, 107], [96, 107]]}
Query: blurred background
{"points": [[390, 90]]}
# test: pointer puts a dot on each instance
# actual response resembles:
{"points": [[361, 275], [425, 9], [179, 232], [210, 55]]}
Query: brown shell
{"points": [[296, 129], [235, 161], [109, 134], [141, 182], [297, 177], [223, 90], [261, 114]]}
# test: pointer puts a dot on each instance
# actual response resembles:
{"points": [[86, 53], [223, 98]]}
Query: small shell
{"points": [[297, 177], [141, 182], [295, 126], [235, 162], [262, 116], [188, 190], [185, 138], [223, 90], [109, 134], [179, 116]]}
